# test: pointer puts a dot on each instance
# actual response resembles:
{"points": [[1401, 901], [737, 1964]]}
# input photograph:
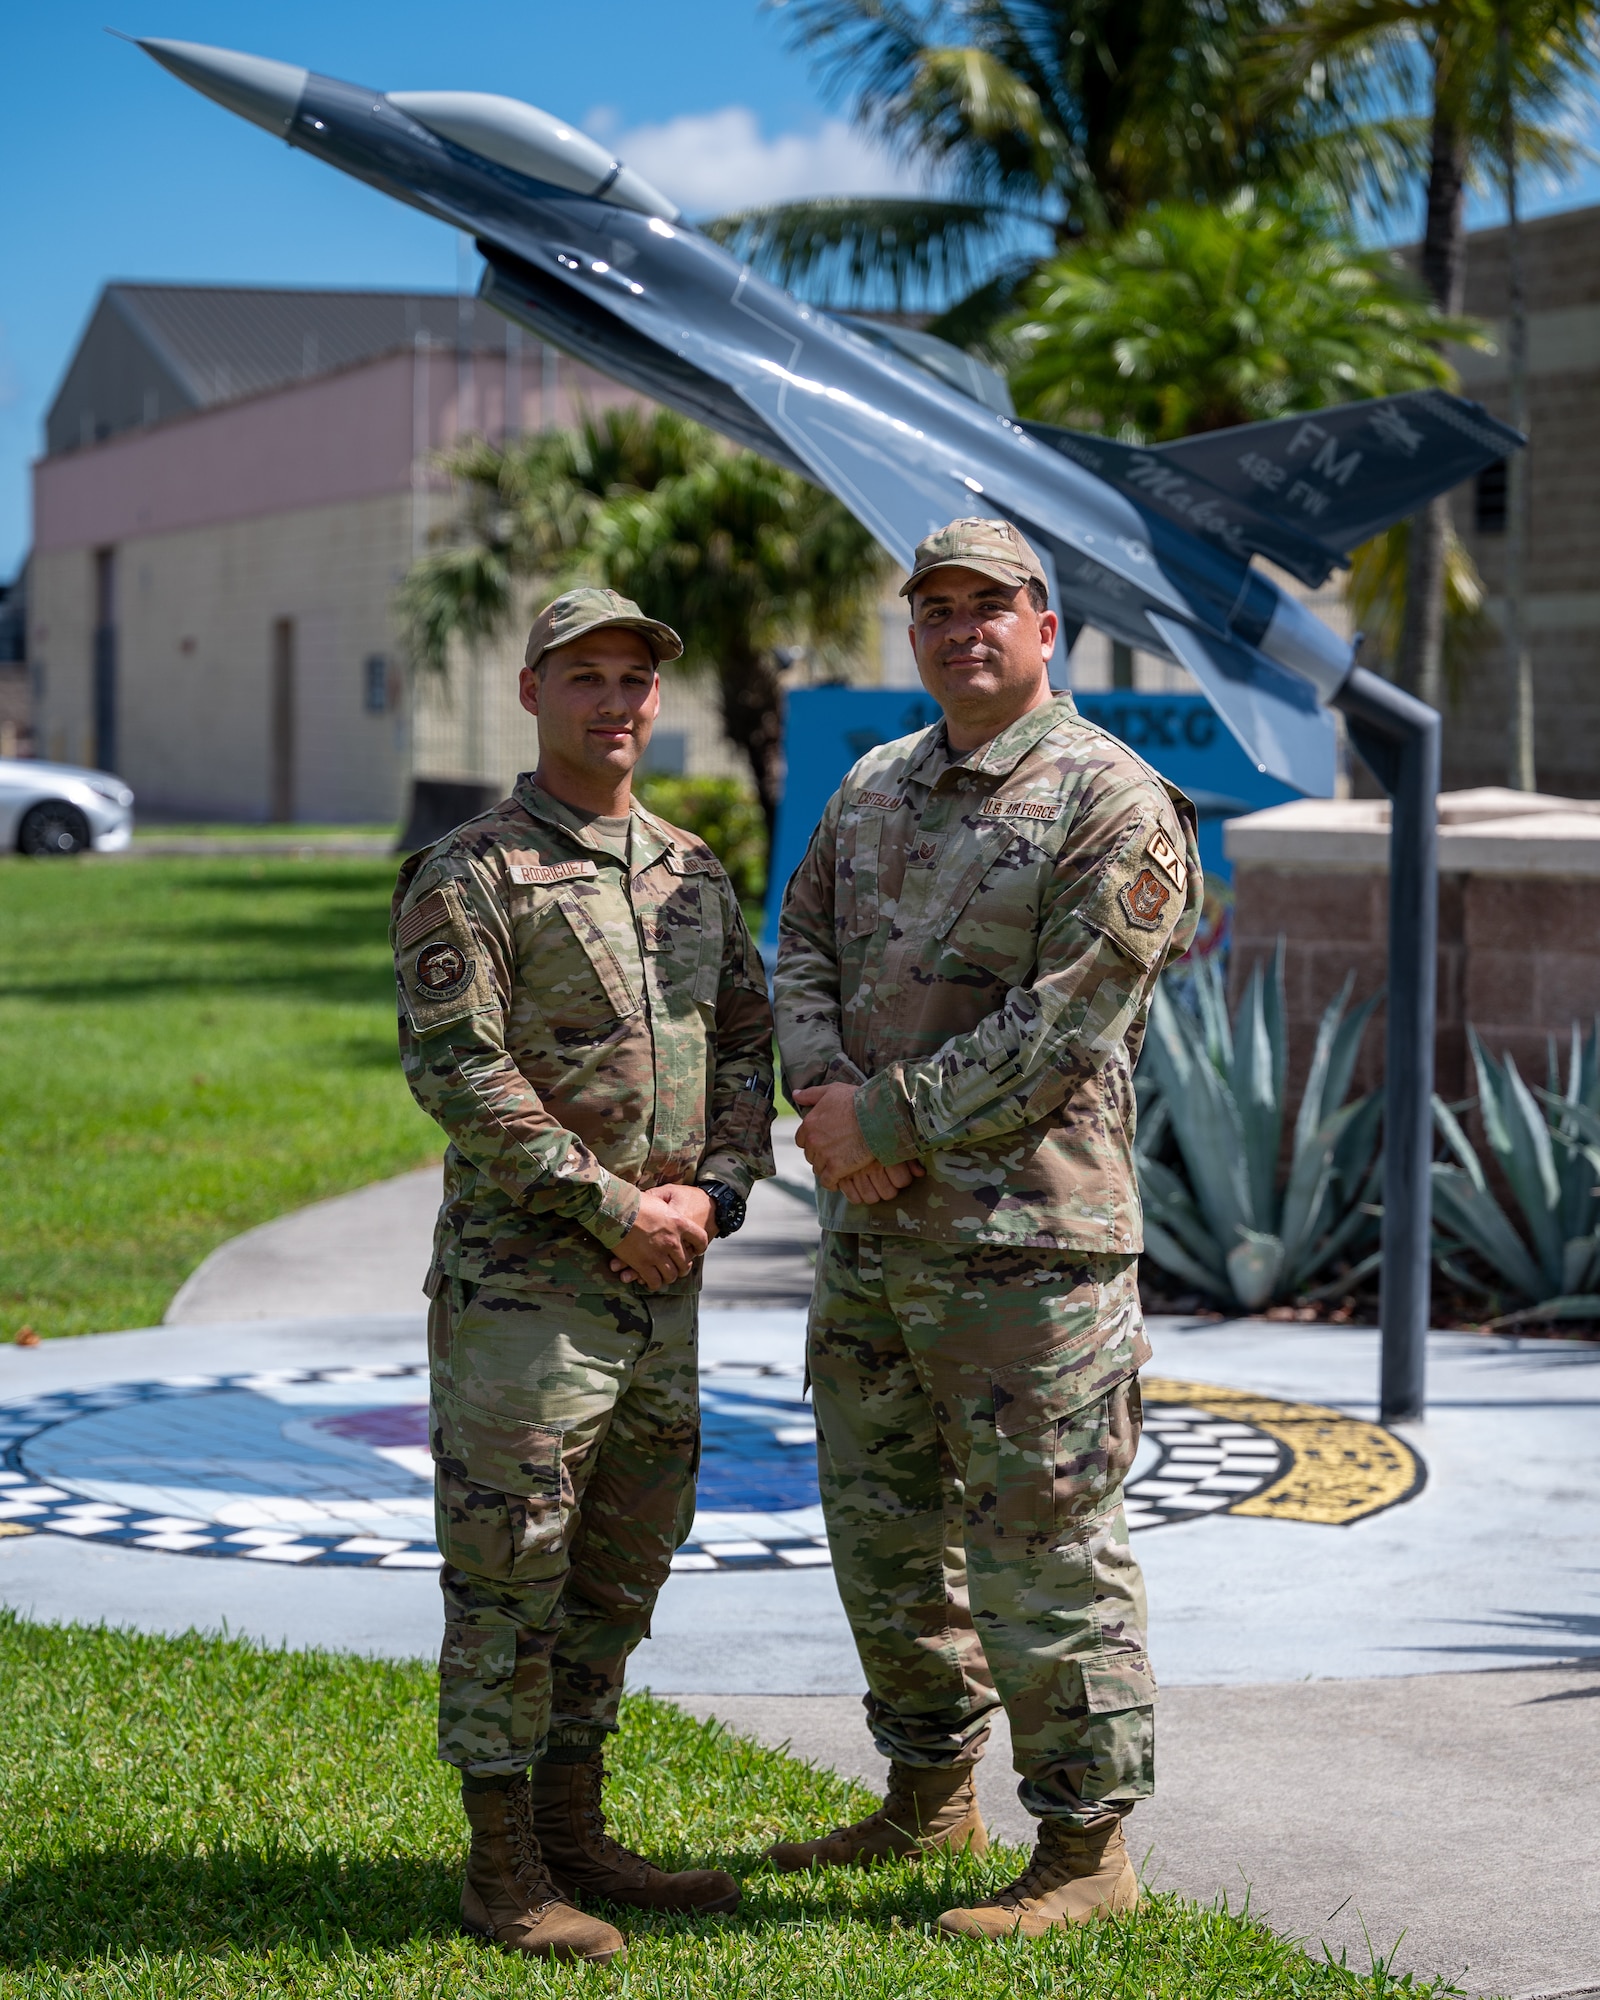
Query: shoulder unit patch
{"points": [[1144, 899]]}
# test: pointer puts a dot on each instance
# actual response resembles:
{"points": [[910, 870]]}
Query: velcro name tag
{"points": [[530, 874], [885, 801], [1167, 858], [1020, 809]]}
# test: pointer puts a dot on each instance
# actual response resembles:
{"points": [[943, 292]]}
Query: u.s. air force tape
{"points": [[1021, 809]]}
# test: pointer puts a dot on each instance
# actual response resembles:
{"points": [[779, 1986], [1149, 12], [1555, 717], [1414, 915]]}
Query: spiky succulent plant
{"points": [[1230, 1218], [1547, 1146]]}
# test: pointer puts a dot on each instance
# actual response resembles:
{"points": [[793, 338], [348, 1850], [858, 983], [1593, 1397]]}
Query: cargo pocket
{"points": [[1067, 1425], [499, 1491], [1121, 1681]]}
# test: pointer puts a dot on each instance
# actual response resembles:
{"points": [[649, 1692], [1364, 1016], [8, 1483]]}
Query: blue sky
{"points": [[112, 169]]}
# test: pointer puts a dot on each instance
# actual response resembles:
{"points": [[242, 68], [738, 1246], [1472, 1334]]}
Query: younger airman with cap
{"points": [[967, 956], [583, 1012]]}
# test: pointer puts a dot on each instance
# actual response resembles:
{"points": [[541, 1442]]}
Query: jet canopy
{"points": [[531, 142]]}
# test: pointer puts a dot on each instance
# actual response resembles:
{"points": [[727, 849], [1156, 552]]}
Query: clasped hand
{"points": [[830, 1137], [672, 1229]]}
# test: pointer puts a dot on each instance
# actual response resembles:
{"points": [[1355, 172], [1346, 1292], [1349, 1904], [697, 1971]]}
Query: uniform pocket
{"points": [[1067, 1427], [603, 963], [708, 973], [1123, 1681], [498, 1491]]}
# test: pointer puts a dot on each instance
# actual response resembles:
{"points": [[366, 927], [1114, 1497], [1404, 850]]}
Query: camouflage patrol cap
{"points": [[992, 548], [578, 612]]}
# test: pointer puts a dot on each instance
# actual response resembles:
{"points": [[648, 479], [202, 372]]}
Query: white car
{"points": [[61, 809]]}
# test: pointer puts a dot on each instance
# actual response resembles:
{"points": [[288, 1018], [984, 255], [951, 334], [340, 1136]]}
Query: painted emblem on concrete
{"points": [[331, 1466]]}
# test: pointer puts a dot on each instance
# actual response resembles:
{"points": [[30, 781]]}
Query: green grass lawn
{"points": [[195, 1817], [227, 829], [187, 1048]]}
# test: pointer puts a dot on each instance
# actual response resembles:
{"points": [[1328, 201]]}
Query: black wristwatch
{"points": [[729, 1205]]}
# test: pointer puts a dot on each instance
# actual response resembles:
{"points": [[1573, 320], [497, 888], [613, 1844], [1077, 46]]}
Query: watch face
{"points": [[729, 1206]]}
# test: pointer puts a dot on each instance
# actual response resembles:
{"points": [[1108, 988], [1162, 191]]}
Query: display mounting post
{"points": [[1397, 738]]}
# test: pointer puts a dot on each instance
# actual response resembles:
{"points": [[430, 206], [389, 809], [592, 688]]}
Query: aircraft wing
{"points": [[1302, 491], [1274, 714]]}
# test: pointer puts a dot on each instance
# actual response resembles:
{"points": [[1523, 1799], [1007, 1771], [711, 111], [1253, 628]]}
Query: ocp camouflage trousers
{"points": [[565, 1433], [977, 1412]]}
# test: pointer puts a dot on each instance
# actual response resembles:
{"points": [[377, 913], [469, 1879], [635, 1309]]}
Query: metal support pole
{"points": [[1397, 737]]}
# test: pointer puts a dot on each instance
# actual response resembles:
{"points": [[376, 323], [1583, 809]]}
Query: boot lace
{"points": [[587, 1785], [528, 1865], [1050, 1867]]}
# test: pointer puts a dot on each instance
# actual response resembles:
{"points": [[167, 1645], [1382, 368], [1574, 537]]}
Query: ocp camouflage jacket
{"points": [[562, 1089], [975, 940]]}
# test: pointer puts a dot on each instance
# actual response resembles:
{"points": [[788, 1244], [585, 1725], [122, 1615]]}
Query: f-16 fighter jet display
{"points": [[1151, 544]]}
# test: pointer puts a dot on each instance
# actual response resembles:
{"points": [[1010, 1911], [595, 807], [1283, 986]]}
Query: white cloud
{"points": [[716, 161]]}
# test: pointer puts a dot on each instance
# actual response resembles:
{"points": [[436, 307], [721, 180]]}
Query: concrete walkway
{"points": [[1320, 1589], [1451, 1815], [367, 1252]]}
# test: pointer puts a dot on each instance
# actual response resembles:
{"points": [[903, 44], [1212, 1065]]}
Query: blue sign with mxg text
{"points": [[828, 728]]}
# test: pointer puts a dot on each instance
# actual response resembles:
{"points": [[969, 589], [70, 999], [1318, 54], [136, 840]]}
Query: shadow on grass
{"points": [[121, 1902], [125, 1901]]}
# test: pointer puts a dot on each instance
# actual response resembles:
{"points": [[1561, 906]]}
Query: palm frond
{"points": [[895, 252]]}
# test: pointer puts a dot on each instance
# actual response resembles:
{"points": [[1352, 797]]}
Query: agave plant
{"points": [[1232, 1223], [1547, 1145]]}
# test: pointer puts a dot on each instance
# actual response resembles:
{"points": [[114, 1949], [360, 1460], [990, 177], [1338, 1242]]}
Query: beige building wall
{"points": [[210, 623], [1562, 264]]}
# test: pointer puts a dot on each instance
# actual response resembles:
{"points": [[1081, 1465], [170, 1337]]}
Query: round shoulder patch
{"points": [[442, 970]]}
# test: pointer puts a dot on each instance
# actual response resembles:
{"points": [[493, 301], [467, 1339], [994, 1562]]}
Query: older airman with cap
{"points": [[967, 957], [583, 1012]]}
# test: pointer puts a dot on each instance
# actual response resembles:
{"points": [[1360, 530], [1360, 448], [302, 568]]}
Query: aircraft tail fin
{"points": [[1302, 491]]}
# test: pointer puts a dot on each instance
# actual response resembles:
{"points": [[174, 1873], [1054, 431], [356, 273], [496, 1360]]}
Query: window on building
{"points": [[666, 754], [376, 683], [1489, 500]]}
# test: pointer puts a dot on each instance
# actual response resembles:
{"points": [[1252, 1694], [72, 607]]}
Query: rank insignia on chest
{"points": [[529, 874], [1144, 899], [443, 969]]}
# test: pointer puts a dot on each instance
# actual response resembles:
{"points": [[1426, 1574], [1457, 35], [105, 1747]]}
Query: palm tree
{"points": [[741, 555], [1193, 319], [1468, 65], [1040, 120]]}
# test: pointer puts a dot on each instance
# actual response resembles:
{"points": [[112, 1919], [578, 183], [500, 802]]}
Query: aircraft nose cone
{"points": [[267, 93]]}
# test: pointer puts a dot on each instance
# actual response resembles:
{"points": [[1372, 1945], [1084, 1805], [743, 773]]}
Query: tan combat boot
{"points": [[925, 1811], [1077, 1873], [584, 1860], [508, 1896]]}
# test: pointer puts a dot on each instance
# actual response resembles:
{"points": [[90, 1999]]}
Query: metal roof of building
{"points": [[155, 351]]}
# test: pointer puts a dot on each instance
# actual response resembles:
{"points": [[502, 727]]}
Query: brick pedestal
{"points": [[1519, 920]]}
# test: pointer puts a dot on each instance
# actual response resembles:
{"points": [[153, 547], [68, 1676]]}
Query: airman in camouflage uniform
{"points": [[970, 948], [582, 1010]]}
